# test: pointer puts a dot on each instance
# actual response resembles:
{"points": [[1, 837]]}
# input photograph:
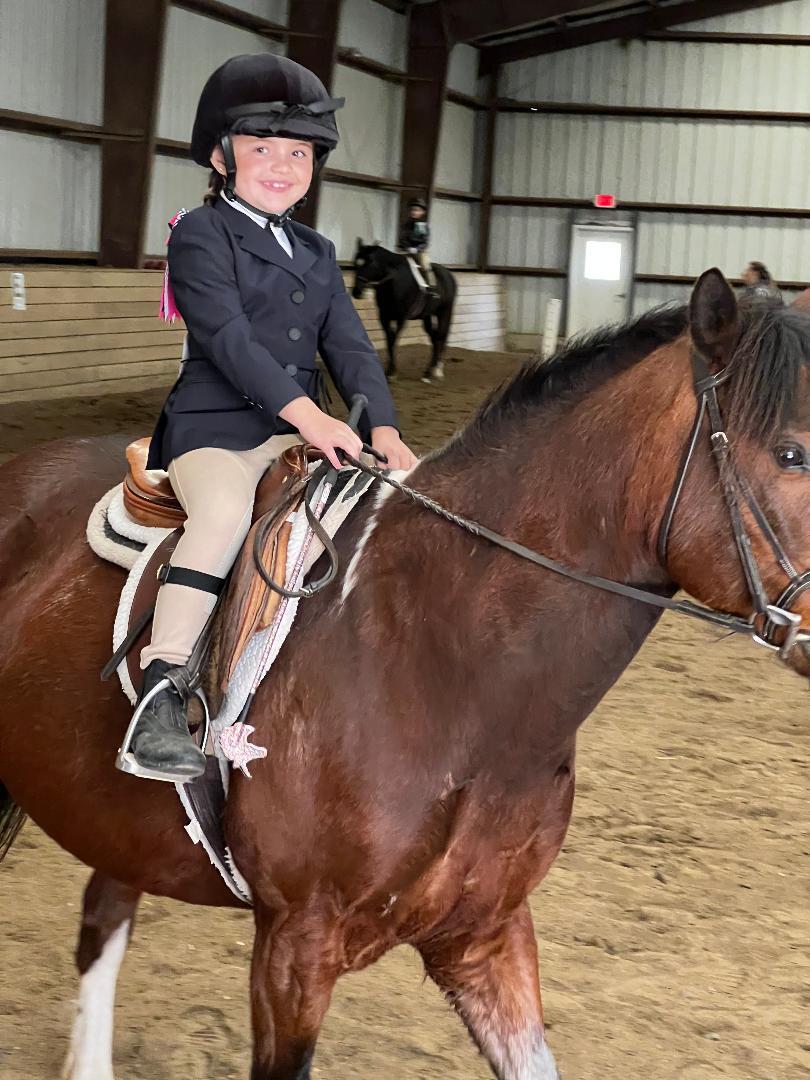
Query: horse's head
{"points": [[735, 532], [369, 267]]}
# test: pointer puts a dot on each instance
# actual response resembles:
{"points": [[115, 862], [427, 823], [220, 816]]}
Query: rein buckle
{"points": [[719, 440]]}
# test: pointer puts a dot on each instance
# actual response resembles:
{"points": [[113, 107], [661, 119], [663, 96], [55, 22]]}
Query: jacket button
{"points": [[291, 369], [294, 334], [297, 297]]}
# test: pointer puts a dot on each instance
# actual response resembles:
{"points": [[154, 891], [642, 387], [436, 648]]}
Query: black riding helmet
{"points": [[263, 95], [414, 203]]}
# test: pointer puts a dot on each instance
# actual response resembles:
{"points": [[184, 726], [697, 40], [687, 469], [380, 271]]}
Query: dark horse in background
{"points": [[419, 784], [399, 299]]}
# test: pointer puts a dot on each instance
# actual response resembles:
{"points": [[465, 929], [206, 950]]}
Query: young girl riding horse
{"points": [[259, 295]]}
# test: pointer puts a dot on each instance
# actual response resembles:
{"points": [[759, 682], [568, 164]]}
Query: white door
{"points": [[600, 276]]}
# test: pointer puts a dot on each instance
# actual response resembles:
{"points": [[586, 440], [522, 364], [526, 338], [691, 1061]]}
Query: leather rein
{"points": [[772, 625]]}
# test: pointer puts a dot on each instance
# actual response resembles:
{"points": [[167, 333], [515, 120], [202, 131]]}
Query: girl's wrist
{"points": [[299, 410]]}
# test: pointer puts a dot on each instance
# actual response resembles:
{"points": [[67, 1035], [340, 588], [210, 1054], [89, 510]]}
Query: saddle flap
{"points": [[250, 604]]}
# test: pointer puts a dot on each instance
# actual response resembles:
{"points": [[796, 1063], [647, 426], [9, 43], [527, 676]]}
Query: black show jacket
{"points": [[255, 319]]}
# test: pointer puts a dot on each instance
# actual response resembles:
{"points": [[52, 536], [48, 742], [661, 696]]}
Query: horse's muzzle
{"points": [[357, 292]]}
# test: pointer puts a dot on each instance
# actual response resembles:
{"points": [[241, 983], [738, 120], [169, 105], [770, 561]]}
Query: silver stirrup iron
{"points": [[125, 761]]}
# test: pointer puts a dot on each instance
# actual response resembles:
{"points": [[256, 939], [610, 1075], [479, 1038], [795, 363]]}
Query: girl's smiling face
{"points": [[272, 173]]}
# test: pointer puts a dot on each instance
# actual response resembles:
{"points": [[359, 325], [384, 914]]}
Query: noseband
{"points": [[778, 626]]}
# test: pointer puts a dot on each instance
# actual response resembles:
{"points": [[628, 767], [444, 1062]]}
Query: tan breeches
{"points": [[216, 489]]}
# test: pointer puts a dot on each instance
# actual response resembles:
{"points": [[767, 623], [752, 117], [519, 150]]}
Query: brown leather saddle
{"points": [[248, 605]]}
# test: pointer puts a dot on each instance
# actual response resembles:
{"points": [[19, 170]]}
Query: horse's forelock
{"points": [[765, 371]]}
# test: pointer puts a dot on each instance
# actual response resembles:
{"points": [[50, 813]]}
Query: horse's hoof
{"points": [[392, 376], [427, 379]]}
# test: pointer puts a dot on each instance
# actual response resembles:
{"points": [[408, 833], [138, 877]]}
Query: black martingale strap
{"points": [[192, 579]]}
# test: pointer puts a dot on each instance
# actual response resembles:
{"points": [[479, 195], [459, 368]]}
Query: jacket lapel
{"points": [[262, 242], [303, 255]]}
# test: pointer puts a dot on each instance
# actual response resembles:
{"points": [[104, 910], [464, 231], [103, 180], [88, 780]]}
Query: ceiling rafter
{"points": [[634, 25], [472, 22]]}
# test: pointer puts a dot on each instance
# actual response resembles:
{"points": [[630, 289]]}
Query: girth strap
{"points": [[192, 579]]}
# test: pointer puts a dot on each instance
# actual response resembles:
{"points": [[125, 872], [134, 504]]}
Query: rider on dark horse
{"points": [[414, 240], [259, 294]]}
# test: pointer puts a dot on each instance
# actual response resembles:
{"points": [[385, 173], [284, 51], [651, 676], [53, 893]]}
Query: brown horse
{"points": [[422, 720]]}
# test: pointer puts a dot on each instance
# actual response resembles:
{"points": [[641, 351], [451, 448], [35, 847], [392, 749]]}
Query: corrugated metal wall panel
{"points": [[668, 74], [455, 165], [175, 184], [524, 236], [374, 31], [51, 193], [463, 72], [526, 300], [52, 58], [791, 17], [370, 125], [648, 295], [653, 160], [690, 243], [194, 47], [454, 232], [346, 213]]}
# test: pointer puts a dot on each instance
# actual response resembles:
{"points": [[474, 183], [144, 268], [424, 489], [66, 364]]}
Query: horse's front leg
{"points": [[295, 967], [392, 332], [435, 368], [107, 917], [491, 979]]}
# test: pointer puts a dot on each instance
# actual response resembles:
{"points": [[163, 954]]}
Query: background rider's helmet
{"points": [[263, 95], [417, 203]]}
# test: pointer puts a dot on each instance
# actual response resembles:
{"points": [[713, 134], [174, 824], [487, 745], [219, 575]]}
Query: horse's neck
{"points": [[578, 482], [397, 270], [572, 484]]}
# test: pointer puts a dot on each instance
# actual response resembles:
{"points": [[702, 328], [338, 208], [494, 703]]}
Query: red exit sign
{"points": [[605, 202]]}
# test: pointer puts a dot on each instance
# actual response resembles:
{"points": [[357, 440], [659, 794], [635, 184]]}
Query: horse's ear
{"points": [[359, 242], [714, 320], [377, 243]]}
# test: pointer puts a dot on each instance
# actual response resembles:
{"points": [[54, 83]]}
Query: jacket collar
{"points": [[258, 241]]}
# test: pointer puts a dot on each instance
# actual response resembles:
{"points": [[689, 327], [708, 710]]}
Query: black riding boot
{"points": [[161, 743]]}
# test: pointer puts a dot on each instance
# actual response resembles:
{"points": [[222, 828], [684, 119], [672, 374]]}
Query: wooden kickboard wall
{"points": [[87, 331]]}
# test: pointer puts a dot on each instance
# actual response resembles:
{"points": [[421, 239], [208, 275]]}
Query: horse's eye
{"points": [[790, 456]]}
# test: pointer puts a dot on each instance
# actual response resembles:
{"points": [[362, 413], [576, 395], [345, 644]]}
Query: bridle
{"points": [[774, 626], [368, 283], [776, 620]]}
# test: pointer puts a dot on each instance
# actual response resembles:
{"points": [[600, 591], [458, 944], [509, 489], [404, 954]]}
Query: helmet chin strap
{"points": [[230, 186]]}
